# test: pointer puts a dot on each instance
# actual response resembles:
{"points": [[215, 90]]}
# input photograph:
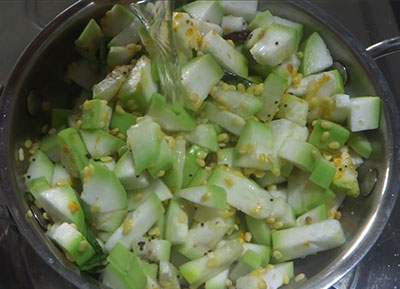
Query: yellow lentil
{"points": [[299, 277], [334, 145], [325, 125], [325, 136]]}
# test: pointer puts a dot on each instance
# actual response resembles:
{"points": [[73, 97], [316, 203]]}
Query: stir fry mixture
{"points": [[224, 193]]}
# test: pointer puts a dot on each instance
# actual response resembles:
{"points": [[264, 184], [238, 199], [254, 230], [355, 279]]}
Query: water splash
{"points": [[156, 17]]}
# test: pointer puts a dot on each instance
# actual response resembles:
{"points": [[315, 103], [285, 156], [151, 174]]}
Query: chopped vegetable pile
{"points": [[223, 194]]}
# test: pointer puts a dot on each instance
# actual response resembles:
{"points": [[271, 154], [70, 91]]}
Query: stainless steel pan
{"points": [[45, 60]]}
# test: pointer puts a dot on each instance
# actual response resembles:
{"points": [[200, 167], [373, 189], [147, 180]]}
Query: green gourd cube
{"points": [[208, 196], [144, 139], [40, 166], [316, 215], [74, 155], [210, 11], [262, 19], [121, 55], [293, 108], [109, 87], [254, 145], [139, 86], [49, 145], [122, 120], [328, 136], [302, 154], [124, 270], [271, 97], [259, 230], [277, 44], [116, 19], [96, 114], [199, 178], [316, 57], [364, 113], [204, 135], [168, 119], [192, 161], [359, 143], [174, 176], [164, 161], [72, 241], [224, 118], [90, 39], [59, 117], [262, 250], [243, 104], [218, 281], [249, 261], [37, 185], [198, 76], [100, 143], [323, 173], [345, 180]]}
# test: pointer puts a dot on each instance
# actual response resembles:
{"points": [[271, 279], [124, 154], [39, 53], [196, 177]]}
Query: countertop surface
{"points": [[370, 20]]}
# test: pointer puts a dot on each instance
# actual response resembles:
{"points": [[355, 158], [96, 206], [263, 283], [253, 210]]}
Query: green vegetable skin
{"points": [[60, 176], [245, 174], [209, 196], [124, 270], [74, 155], [198, 77], [96, 114], [72, 241], [144, 139], [61, 204], [253, 146], [199, 270]]}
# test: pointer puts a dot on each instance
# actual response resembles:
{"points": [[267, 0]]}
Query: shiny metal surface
{"points": [[369, 216], [385, 47], [31, 8], [4, 213]]}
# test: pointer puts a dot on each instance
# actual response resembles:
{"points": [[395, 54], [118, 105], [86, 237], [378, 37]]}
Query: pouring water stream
{"points": [[156, 17]]}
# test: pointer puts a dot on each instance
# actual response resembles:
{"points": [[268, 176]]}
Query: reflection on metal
{"points": [[31, 13], [4, 227], [38, 216], [384, 48], [367, 183], [349, 281], [4, 213], [33, 103], [342, 70]]}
